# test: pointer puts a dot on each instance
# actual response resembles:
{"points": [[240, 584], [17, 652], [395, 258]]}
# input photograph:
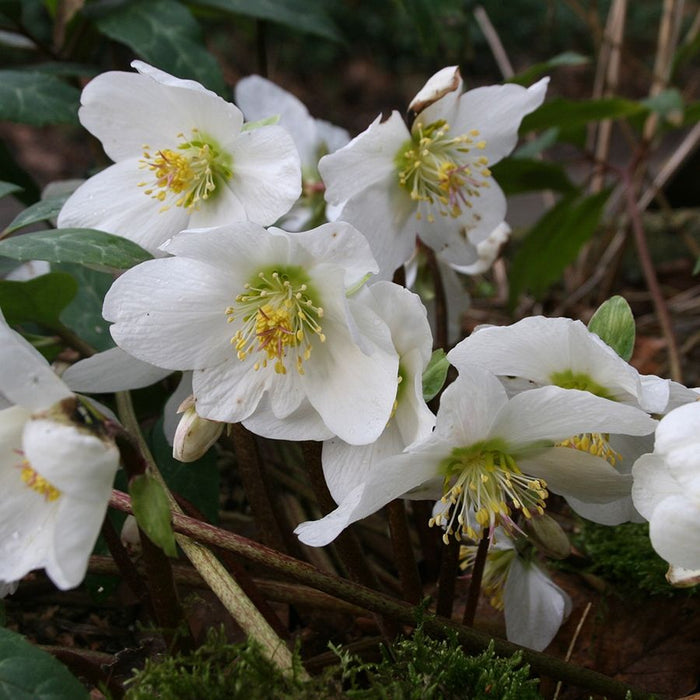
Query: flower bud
{"points": [[194, 434], [546, 534], [130, 537]]}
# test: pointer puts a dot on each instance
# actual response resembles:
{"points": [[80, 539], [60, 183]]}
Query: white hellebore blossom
{"points": [[264, 320], [666, 488], [432, 180], [533, 605], [182, 159], [345, 466], [56, 471], [490, 456], [539, 351], [260, 99]]}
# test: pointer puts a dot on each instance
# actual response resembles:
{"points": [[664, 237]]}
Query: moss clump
{"points": [[421, 668], [418, 668], [624, 557]]}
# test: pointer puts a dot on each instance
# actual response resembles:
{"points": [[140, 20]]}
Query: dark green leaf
{"points": [[553, 243], [531, 149], [667, 104], [696, 269], [152, 511], [37, 99], [8, 188], [28, 673], [164, 33], [43, 210], [613, 323], [567, 114], [300, 15], [198, 481], [434, 374], [84, 314], [40, 300], [568, 58], [79, 245], [516, 175]]}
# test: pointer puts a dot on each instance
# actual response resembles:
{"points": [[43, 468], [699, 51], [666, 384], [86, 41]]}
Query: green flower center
{"points": [[279, 316], [482, 484], [581, 381], [188, 176], [440, 170]]}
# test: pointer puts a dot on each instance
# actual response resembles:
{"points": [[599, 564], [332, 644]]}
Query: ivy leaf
{"points": [[35, 98], [28, 673], [299, 15], [568, 58], [77, 245], [554, 242], [613, 323], [8, 188], [152, 511], [43, 210], [434, 374], [40, 300], [164, 33], [84, 314]]}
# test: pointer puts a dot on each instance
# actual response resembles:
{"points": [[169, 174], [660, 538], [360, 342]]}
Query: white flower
{"points": [[182, 160], [259, 99], [56, 471], [432, 181], [666, 488], [263, 319], [538, 351], [533, 605], [490, 456], [345, 466]]}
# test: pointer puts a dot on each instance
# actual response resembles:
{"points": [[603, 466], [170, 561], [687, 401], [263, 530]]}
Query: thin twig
{"points": [[572, 644]]}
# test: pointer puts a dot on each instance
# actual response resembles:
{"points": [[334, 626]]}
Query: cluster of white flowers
{"points": [[298, 335]]}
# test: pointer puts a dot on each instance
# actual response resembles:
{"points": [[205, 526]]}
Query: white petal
{"points": [[266, 173], [570, 472], [112, 370], [487, 249], [77, 463], [352, 391], [396, 476], [346, 466], [674, 530], [653, 483], [613, 513], [112, 201], [260, 98], [469, 406], [535, 607], [386, 216], [25, 376], [170, 312], [366, 161], [496, 112], [303, 424], [439, 97], [171, 418], [338, 243], [128, 111], [554, 414], [455, 240]]}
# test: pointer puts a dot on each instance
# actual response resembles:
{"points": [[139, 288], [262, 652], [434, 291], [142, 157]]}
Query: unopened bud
{"points": [[194, 435], [130, 535], [546, 534], [443, 82]]}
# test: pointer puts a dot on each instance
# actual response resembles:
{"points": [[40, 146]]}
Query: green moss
{"points": [[623, 556], [418, 668]]}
